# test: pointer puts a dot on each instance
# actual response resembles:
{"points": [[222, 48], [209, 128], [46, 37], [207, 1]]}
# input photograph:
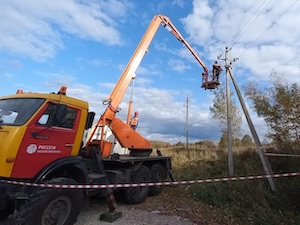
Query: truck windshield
{"points": [[17, 111]]}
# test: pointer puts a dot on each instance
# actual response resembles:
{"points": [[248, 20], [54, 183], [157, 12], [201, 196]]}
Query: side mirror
{"points": [[89, 120], [59, 115]]}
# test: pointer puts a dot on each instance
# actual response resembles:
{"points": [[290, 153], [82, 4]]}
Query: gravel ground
{"points": [[171, 207], [131, 215]]}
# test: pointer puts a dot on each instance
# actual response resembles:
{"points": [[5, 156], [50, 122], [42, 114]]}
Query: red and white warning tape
{"points": [[166, 183], [281, 154]]}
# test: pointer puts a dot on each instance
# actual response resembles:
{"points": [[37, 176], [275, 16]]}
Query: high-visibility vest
{"points": [[134, 121]]}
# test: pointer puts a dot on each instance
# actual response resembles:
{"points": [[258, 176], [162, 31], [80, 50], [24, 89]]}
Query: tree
{"points": [[247, 141], [219, 112], [223, 141], [279, 105]]}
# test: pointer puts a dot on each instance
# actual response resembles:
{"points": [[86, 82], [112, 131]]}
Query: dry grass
{"points": [[182, 157], [250, 202], [201, 155]]}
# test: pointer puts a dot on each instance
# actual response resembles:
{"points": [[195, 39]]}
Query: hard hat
{"points": [[136, 113]]}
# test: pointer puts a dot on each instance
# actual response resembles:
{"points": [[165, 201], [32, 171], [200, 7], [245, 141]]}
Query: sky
{"points": [[85, 45]]}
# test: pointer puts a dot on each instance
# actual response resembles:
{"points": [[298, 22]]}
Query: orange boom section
{"points": [[127, 137]]}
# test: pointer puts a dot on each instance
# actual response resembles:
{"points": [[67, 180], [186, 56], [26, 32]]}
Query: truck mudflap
{"points": [[7, 205], [3, 195]]}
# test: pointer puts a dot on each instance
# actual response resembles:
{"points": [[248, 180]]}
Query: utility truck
{"points": [[42, 142]]}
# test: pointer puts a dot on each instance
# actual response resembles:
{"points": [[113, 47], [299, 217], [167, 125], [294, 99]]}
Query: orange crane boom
{"points": [[127, 137], [129, 72]]}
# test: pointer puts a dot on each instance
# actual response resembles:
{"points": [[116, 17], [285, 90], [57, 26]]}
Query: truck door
{"points": [[46, 140]]}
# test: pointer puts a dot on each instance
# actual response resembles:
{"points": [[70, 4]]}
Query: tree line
{"points": [[278, 104]]}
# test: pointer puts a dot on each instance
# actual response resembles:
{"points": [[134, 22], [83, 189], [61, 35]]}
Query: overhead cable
{"points": [[242, 33], [250, 45]]}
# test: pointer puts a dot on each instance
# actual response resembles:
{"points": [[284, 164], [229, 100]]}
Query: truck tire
{"points": [[157, 175], [136, 195], [52, 206], [8, 209]]}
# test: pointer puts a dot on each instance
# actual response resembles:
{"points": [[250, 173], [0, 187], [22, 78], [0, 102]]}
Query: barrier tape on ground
{"points": [[281, 154], [165, 183]]}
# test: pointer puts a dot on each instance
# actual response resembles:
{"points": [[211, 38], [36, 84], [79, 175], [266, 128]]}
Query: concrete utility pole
{"points": [[229, 117], [259, 147], [187, 126]]}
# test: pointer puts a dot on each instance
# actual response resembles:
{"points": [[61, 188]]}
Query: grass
{"points": [[251, 202]]}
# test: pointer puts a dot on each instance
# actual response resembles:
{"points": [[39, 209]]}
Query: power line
{"points": [[194, 90], [241, 33], [267, 29]]}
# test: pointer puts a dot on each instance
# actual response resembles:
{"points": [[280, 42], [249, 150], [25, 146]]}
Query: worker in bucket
{"points": [[134, 121], [216, 71]]}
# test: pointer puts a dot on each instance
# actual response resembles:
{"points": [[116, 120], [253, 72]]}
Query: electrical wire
{"points": [[233, 42], [194, 90], [246, 23], [242, 31], [267, 29]]}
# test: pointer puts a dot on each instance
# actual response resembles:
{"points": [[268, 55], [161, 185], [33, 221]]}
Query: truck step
{"points": [[97, 178]]}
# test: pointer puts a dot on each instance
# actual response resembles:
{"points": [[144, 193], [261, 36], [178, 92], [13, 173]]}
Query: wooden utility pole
{"points": [[259, 147], [187, 125]]}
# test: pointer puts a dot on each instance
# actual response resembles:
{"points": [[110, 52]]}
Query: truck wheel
{"points": [[8, 209], [138, 194], [52, 206], [157, 174]]}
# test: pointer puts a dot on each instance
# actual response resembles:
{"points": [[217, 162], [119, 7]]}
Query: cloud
{"points": [[39, 29], [11, 63], [54, 80], [180, 3], [100, 63], [177, 65], [198, 23], [183, 57], [161, 115], [262, 34], [36, 28]]}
